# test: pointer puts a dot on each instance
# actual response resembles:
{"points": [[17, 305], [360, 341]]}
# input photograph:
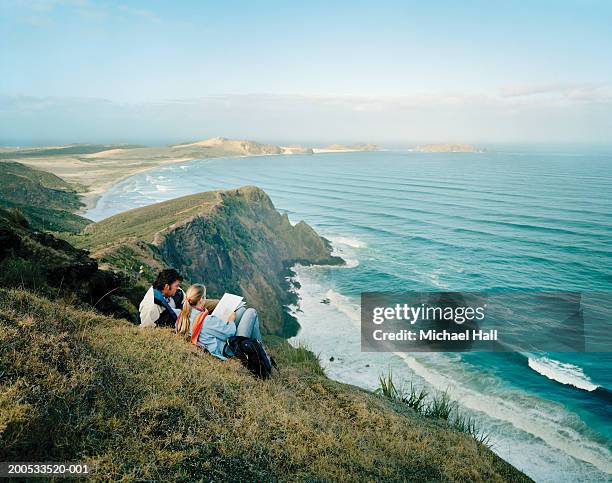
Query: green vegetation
{"points": [[52, 267], [73, 149], [46, 200], [146, 222], [436, 406], [142, 404]]}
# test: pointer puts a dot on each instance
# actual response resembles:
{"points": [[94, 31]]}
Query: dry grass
{"points": [[76, 386]]}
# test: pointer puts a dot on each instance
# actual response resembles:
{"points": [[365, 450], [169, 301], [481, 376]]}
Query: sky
{"points": [[390, 72]]}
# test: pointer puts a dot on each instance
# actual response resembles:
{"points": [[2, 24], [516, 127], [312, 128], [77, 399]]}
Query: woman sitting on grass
{"points": [[209, 331]]}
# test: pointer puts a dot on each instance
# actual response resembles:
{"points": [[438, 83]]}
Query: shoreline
{"points": [[317, 296], [94, 173], [91, 197]]}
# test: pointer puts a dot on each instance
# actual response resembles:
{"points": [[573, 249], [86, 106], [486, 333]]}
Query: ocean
{"points": [[520, 217]]}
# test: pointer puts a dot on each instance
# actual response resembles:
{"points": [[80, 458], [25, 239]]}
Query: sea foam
{"points": [[562, 372]]}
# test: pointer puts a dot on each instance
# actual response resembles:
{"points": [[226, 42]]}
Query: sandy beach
{"points": [[93, 169]]}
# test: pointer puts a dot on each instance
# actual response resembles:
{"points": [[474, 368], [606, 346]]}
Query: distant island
{"points": [[94, 168], [448, 148]]}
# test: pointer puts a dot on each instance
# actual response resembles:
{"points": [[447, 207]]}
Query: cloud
{"points": [[41, 13], [140, 12], [579, 92], [323, 118], [522, 97]]}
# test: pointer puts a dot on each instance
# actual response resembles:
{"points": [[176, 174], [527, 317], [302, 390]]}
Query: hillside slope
{"points": [[42, 262], [231, 240], [142, 404], [47, 201]]}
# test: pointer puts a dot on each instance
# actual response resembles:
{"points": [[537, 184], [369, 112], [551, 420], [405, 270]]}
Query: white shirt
{"points": [[150, 311]]}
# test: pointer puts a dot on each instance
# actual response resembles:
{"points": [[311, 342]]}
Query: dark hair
{"points": [[167, 276]]}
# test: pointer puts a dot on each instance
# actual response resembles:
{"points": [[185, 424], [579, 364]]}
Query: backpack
{"points": [[251, 354]]}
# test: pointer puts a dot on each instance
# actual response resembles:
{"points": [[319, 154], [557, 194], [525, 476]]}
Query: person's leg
{"points": [[239, 313], [248, 324]]}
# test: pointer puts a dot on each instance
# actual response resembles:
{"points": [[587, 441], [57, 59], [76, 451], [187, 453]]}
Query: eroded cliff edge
{"points": [[232, 240]]}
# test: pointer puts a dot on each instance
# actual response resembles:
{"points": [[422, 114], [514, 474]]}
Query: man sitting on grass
{"points": [[163, 301]]}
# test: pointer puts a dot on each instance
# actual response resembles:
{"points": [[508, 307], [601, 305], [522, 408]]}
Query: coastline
{"points": [[95, 173], [544, 431], [91, 197], [293, 284]]}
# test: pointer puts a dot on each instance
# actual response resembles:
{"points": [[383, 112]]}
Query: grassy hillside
{"points": [[47, 201], [148, 222], [141, 404], [51, 266]]}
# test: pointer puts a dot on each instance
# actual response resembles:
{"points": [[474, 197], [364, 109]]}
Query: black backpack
{"points": [[252, 354]]}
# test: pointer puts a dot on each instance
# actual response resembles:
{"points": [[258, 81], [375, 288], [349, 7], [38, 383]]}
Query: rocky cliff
{"points": [[232, 241]]}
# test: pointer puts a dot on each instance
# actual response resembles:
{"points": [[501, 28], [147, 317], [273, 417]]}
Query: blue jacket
{"points": [[214, 333]]}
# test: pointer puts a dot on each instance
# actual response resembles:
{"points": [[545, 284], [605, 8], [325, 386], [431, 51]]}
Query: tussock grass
{"points": [[142, 404], [299, 356], [436, 406]]}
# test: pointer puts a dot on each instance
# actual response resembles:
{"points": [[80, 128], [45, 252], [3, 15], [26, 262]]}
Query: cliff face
{"points": [[244, 245], [232, 241]]}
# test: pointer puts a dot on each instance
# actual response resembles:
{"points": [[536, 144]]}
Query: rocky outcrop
{"points": [[232, 146], [294, 149], [232, 241]]}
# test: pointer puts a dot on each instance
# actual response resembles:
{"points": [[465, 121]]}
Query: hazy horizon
{"points": [[391, 73]]}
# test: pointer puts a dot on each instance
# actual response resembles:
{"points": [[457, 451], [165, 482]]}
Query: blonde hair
{"points": [[194, 294]]}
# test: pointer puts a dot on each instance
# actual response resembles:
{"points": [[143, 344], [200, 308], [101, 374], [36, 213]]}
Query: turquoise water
{"points": [[522, 219]]}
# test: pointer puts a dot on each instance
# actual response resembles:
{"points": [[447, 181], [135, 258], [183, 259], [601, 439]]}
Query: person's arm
{"points": [[218, 328]]}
